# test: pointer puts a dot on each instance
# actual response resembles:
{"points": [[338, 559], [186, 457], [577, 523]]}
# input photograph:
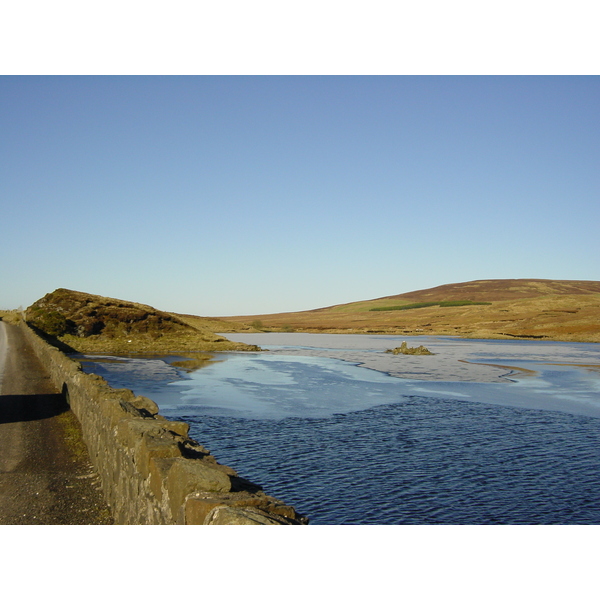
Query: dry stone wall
{"points": [[152, 472]]}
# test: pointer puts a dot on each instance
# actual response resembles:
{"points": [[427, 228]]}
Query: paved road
{"points": [[45, 473]]}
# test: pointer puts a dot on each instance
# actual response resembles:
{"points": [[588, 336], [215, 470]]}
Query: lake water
{"points": [[484, 432]]}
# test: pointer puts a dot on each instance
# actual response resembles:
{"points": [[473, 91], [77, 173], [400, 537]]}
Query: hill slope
{"points": [[90, 323], [492, 290], [492, 309]]}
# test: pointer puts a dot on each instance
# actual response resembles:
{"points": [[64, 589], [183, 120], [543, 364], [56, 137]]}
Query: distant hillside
{"points": [[90, 323], [494, 290], [493, 309], [212, 323]]}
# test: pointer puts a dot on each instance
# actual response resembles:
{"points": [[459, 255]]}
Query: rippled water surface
{"points": [[349, 445]]}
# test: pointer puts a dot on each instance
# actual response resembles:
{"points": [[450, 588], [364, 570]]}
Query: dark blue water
{"points": [[425, 461], [346, 445]]}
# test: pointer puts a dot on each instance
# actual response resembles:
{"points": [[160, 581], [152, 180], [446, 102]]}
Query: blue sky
{"points": [[246, 195]]}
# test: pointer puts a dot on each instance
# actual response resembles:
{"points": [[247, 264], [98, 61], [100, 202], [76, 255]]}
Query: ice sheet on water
{"points": [[263, 386], [147, 376], [305, 383]]}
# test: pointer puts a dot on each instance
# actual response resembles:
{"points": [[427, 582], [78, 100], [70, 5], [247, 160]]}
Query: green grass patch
{"points": [[444, 303]]}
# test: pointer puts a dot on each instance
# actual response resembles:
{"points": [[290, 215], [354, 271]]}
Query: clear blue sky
{"points": [[246, 195]]}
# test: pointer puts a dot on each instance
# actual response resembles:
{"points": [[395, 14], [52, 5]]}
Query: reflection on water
{"points": [[345, 444], [193, 364]]}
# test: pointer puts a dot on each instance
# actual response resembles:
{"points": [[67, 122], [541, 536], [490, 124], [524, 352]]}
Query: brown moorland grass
{"points": [[520, 309], [82, 322]]}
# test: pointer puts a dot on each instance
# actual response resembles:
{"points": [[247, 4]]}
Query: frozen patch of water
{"points": [[277, 386]]}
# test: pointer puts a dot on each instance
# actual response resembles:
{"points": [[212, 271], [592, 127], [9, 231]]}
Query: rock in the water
{"points": [[404, 349]]}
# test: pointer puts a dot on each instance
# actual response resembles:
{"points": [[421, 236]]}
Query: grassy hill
{"points": [[492, 309], [90, 323]]}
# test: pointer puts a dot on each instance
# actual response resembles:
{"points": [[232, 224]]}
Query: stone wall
{"points": [[152, 472]]}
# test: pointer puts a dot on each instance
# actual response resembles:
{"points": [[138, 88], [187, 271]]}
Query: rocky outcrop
{"points": [[76, 313], [404, 349], [90, 323]]}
